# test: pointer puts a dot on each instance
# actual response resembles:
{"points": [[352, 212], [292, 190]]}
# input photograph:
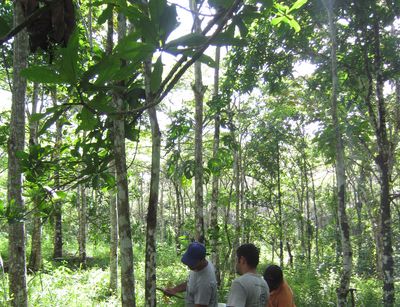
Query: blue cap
{"points": [[195, 252]]}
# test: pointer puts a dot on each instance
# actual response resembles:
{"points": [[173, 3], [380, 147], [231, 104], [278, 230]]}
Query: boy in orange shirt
{"points": [[280, 293]]}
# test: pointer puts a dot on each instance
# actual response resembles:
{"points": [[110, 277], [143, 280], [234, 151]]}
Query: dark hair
{"points": [[273, 275], [250, 252]]}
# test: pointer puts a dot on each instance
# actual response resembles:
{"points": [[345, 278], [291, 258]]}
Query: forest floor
{"points": [[66, 283]]}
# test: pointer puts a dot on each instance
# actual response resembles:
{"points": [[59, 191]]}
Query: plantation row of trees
{"points": [[302, 163]]}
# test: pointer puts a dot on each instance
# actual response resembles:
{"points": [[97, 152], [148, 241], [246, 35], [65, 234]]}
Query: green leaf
{"points": [[148, 30], [267, 4], [88, 120], [156, 75], [61, 195], [37, 117], [189, 40], [188, 169], [294, 24], [298, 4], [51, 120], [168, 21], [215, 165], [129, 49], [22, 155], [42, 74], [69, 60], [220, 3], [105, 15], [277, 20], [156, 8], [203, 58], [101, 103], [4, 27], [131, 133], [242, 27], [223, 39]]}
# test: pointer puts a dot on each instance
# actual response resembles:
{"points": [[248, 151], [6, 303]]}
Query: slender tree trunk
{"points": [[35, 259], [150, 267], [178, 214], [112, 192], [16, 236], [343, 288], [308, 220], [315, 215], [82, 224], [215, 179], [113, 237], [162, 219], [280, 211], [58, 239], [198, 90], [383, 161], [124, 223]]}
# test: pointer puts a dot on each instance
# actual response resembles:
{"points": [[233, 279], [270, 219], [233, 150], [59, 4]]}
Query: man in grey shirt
{"points": [[201, 287], [250, 289]]}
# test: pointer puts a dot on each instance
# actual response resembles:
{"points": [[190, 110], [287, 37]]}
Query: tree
{"points": [[124, 224], [17, 272], [343, 288]]}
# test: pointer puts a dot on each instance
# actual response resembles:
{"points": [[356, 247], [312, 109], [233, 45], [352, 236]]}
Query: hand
{"points": [[169, 291]]}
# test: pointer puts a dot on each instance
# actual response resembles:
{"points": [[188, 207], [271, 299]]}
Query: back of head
{"points": [[273, 275], [250, 252]]}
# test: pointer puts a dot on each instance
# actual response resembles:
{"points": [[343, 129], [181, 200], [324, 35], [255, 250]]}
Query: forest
{"points": [[129, 128]]}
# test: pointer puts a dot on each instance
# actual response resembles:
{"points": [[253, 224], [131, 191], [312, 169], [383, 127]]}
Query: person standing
{"points": [[250, 289], [201, 286], [281, 295]]}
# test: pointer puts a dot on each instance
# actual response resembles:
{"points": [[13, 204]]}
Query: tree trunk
{"points": [[308, 220], [162, 219], [340, 168], [178, 214], [113, 237], [58, 239], [16, 237], [315, 215], [150, 266], [383, 161], [215, 179], [35, 259], [198, 90], [280, 213], [124, 223], [112, 192], [82, 233]]}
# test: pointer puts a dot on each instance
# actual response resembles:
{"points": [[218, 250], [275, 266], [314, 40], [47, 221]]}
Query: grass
{"points": [[66, 283]]}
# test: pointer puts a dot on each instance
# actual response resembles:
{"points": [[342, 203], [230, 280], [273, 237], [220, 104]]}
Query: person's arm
{"points": [[179, 288]]}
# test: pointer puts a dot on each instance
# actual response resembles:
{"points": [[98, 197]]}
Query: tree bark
{"points": [[198, 90], [16, 243], [82, 233], [150, 266], [35, 259], [215, 179], [58, 239], [124, 223], [347, 264], [280, 211], [113, 237], [383, 162]]}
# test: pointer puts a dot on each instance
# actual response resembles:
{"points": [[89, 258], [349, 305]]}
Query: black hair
{"points": [[250, 252], [273, 275]]}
